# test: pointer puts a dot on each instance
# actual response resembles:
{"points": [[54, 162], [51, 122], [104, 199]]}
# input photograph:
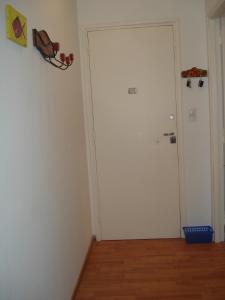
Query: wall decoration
{"points": [[194, 73], [49, 50], [16, 26]]}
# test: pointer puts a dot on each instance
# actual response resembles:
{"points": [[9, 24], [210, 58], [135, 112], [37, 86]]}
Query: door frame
{"points": [[216, 117], [89, 118]]}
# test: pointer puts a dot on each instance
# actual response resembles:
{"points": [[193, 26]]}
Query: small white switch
{"points": [[192, 115]]}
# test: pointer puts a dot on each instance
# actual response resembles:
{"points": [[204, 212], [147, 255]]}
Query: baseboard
{"points": [[83, 268]]}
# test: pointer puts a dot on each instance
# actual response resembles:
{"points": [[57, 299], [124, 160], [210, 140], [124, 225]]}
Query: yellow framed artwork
{"points": [[16, 26]]}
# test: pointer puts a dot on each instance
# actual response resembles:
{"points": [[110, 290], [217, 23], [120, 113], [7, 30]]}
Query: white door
{"points": [[134, 105]]}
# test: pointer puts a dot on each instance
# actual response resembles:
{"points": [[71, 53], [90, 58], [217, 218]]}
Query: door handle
{"points": [[169, 134]]}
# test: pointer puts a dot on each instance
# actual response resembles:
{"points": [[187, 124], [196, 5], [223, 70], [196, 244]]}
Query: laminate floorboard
{"points": [[154, 270]]}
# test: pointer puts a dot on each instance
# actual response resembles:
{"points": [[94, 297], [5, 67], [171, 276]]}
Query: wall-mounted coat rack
{"points": [[49, 50], [194, 73]]}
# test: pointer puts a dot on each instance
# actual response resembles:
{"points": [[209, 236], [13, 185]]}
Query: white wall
{"points": [[44, 201], [191, 15]]}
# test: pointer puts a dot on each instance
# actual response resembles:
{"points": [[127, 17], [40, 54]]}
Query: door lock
{"points": [[173, 139], [169, 134]]}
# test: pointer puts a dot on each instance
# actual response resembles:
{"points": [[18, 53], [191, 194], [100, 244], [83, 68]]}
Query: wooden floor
{"points": [[154, 270]]}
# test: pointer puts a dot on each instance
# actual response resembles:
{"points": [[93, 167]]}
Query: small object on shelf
{"points": [[198, 234], [49, 50]]}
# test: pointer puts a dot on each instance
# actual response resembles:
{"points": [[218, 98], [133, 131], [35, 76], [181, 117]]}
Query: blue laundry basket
{"points": [[198, 234]]}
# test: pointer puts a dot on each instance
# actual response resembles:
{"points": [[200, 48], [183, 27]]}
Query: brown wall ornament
{"points": [[194, 72], [49, 50]]}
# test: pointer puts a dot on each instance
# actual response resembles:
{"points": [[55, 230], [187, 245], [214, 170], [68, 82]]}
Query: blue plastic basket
{"points": [[198, 234]]}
